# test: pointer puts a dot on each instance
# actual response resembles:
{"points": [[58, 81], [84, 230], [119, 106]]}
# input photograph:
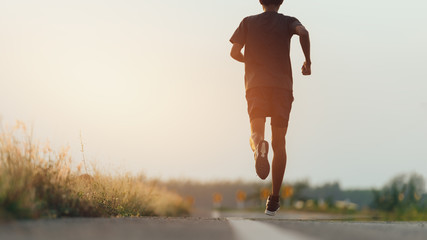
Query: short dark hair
{"points": [[271, 2]]}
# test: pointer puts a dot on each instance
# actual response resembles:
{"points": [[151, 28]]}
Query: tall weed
{"points": [[38, 182]]}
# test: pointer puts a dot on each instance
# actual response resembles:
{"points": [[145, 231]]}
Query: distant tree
{"points": [[402, 192], [299, 188]]}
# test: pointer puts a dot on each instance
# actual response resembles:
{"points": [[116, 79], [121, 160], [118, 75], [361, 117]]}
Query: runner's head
{"points": [[271, 2]]}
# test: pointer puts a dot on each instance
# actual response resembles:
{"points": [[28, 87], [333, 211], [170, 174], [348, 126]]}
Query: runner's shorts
{"points": [[270, 102]]}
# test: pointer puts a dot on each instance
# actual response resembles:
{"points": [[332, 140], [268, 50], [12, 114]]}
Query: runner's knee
{"points": [[278, 145], [278, 140]]}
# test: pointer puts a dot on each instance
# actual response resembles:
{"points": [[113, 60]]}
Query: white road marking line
{"points": [[245, 229]]}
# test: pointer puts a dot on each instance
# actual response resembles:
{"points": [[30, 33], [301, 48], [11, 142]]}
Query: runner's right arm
{"points": [[236, 52], [304, 39]]}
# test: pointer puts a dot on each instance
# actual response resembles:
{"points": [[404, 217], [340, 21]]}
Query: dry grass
{"points": [[38, 182]]}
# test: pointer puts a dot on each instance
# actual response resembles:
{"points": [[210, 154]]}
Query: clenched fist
{"points": [[306, 68]]}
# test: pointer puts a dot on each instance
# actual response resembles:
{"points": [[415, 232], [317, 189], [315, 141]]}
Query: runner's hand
{"points": [[306, 69]]}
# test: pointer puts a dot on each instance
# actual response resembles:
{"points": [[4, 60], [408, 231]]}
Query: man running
{"points": [[268, 82]]}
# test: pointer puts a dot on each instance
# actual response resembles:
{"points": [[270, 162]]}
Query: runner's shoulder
{"points": [[288, 17]]}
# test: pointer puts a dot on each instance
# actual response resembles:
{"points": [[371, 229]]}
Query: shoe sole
{"points": [[270, 213], [261, 164]]}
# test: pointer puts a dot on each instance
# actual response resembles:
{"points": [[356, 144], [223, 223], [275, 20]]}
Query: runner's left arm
{"points": [[304, 37]]}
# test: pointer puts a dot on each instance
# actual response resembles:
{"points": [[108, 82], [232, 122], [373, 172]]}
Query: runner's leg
{"points": [[278, 143], [257, 132]]}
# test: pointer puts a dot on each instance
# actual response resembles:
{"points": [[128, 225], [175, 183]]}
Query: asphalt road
{"points": [[247, 226]]}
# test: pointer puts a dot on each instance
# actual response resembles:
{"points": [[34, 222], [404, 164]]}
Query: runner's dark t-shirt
{"points": [[267, 38]]}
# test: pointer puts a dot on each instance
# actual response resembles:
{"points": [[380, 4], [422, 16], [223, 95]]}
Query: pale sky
{"points": [[152, 88]]}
